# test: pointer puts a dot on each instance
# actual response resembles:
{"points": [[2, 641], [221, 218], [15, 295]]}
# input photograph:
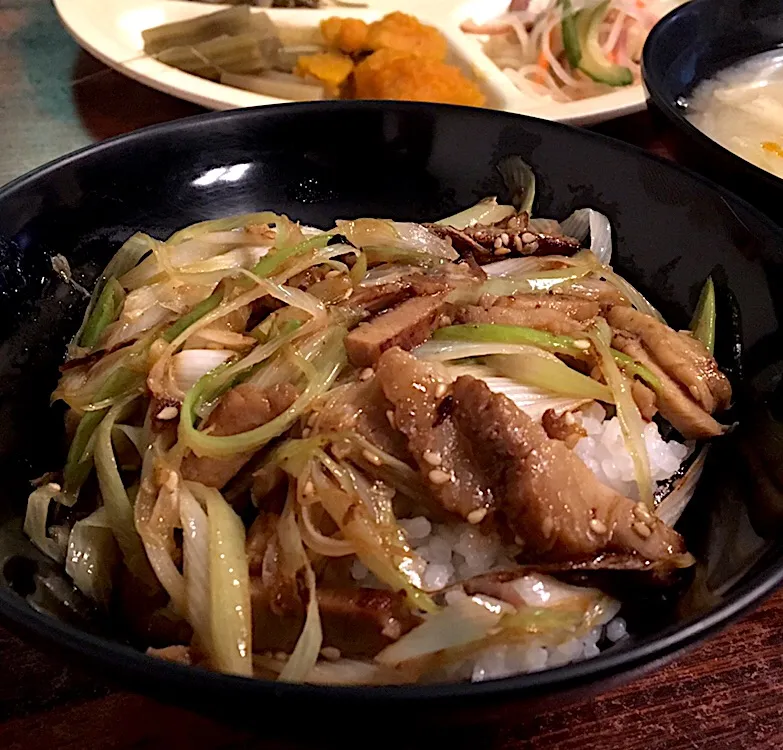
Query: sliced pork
{"points": [[541, 318], [445, 457], [243, 408], [409, 324], [551, 499], [682, 357], [676, 406]]}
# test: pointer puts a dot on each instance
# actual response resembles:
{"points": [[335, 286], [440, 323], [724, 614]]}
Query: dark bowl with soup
{"points": [[684, 52]]}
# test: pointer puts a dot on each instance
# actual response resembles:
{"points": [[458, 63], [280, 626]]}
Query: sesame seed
{"points": [[642, 513], [527, 238], [168, 412], [436, 476], [306, 432], [642, 530], [498, 243], [547, 526], [477, 516], [597, 526], [392, 420], [569, 418], [281, 656], [433, 458], [309, 488], [582, 344], [440, 391], [311, 419], [366, 373], [445, 320], [518, 243], [533, 246], [331, 274], [504, 238], [330, 653], [503, 251], [372, 458]]}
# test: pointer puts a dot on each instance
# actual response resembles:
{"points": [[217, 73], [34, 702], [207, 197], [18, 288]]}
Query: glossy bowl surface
{"points": [[693, 43], [318, 162]]}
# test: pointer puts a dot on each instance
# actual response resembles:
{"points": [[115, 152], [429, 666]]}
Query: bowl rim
{"points": [[653, 79], [135, 665]]}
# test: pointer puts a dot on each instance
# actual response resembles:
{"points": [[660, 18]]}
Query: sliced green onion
{"points": [[631, 422], [92, 556], [509, 334], [308, 645], [359, 270], [119, 509], [703, 323], [272, 262], [229, 584], [549, 374], [106, 310], [520, 181], [536, 281], [633, 368], [222, 225], [126, 258], [319, 380], [487, 211], [198, 312], [80, 461]]}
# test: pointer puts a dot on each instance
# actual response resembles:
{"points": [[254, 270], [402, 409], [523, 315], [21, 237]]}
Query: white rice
{"points": [[458, 552], [605, 454], [452, 553]]}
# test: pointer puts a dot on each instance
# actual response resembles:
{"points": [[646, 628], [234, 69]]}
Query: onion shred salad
{"points": [[567, 50]]}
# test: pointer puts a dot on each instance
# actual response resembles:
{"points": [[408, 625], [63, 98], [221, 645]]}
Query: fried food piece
{"points": [[348, 35], [389, 74], [329, 68], [404, 33]]}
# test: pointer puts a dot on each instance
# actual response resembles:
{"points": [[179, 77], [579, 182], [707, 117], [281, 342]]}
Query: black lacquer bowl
{"points": [[691, 44], [318, 162]]}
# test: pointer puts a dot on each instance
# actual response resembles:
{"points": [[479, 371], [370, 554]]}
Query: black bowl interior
{"points": [[693, 43], [321, 162]]}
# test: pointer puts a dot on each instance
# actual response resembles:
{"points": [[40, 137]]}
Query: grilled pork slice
{"points": [[551, 499], [418, 394], [407, 325], [572, 305], [682, 357], [541, 318], [676, 406], [362, 407], [241, 409], [487, 243], [481, 453]]}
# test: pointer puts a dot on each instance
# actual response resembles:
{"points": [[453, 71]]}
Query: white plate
{"points": [[111, 31]]}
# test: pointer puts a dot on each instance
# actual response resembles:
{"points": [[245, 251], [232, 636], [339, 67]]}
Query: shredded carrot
{"points": [[542, 63], [611, 56], [640, 4]]}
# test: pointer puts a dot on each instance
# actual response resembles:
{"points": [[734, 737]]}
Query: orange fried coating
{"points": [[329, 68], [348, 35], [389, 74], [404, 33]]}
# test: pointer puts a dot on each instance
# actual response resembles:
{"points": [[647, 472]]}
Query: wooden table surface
{"points": [[725, 695]]}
